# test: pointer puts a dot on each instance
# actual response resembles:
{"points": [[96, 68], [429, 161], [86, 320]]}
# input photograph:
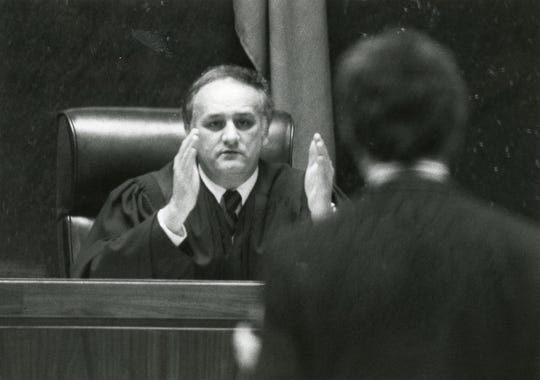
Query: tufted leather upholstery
{"points": [[101, 147]]}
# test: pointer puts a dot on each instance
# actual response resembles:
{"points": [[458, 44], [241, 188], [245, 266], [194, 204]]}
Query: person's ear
{"points": [[266, 126], [185, 128], [363, 160]]}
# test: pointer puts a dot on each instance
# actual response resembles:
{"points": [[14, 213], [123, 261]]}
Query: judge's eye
{"points": [[244, 123], [214, 125]]}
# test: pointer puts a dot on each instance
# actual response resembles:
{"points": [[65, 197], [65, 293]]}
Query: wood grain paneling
{"points": [[67, 329], [56, 353], [101, 302]]}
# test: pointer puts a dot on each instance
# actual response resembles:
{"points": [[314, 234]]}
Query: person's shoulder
{"points": [[159, 181], [154, 186], [496, 222], [489, 212], [512, 224], [279, 180], [280, 171], [512, 241]]}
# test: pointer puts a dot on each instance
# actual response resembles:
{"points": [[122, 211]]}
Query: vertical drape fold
{"points": [[287, 41]]}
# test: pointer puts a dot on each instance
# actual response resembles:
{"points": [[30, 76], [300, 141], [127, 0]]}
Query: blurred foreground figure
{"points": [[417, 279]]}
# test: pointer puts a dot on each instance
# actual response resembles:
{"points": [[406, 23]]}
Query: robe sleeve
{"points": [[126, 240]]}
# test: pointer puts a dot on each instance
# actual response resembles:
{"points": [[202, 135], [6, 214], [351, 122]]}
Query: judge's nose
{"points": [[230, 134]]}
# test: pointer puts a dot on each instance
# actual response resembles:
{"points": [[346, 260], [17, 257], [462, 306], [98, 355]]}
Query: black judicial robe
{"points": [[126, 240]]}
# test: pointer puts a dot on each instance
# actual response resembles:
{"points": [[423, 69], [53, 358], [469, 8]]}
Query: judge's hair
{"points": [[400, 97], [240, 74]]}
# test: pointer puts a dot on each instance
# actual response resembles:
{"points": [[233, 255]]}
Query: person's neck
{"points": [[217, 191], [228, 181]]}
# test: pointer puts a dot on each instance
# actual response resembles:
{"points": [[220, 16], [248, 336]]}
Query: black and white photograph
{"points": [[269, 189]]}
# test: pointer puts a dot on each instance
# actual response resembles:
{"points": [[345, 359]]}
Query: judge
{"points": [[207, 214]]}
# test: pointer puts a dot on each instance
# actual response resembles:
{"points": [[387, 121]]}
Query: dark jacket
{"points": [[414, 280]]}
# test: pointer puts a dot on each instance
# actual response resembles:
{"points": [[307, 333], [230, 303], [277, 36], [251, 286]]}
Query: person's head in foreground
{"points": [[232, 109], [400, 98]]}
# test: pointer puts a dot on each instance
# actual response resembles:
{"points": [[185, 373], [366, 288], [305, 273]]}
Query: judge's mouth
{"points": [[230, 153]]}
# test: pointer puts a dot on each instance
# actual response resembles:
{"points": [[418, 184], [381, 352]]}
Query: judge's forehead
{"points": [[228, 95]]}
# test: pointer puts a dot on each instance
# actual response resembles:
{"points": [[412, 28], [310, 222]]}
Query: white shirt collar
{"points": [[381, 172], [218, 191]]}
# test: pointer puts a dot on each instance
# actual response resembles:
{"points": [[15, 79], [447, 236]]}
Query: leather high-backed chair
{"points": [[101, 147]]}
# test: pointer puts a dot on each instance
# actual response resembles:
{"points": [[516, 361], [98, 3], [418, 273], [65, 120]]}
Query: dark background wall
{"points": [[58, 54], [61, 54], [497, 45]]}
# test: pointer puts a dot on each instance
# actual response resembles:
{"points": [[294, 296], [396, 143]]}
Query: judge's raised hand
{"points": [[186, 183], [319, 179]]}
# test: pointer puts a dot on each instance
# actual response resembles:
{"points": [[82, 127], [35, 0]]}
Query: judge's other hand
{"points": [[319, 179], [186, 183]]}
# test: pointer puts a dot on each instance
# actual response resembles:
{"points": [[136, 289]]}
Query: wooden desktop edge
{"points": [[66, 303]]}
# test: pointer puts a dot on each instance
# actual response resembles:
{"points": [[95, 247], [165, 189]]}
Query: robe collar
{"points": [[218, 191]]}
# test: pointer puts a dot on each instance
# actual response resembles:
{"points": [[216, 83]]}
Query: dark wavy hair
{"points": [[400, 96], [241, 74]]}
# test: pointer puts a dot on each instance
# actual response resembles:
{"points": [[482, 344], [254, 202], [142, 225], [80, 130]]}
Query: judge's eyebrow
{"points": [[245, 114], [213, 116]]}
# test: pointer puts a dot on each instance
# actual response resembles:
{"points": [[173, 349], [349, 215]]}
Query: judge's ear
{"points": [[187, 129]]}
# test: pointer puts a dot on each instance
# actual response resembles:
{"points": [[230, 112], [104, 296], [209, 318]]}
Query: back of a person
{"points": [[421, 282], [414, 279]]}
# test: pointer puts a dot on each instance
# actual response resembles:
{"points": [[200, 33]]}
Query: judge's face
{"points": [[232, 130]]}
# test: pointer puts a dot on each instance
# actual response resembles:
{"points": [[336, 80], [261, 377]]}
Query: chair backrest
{"points": [[101, 147]]}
